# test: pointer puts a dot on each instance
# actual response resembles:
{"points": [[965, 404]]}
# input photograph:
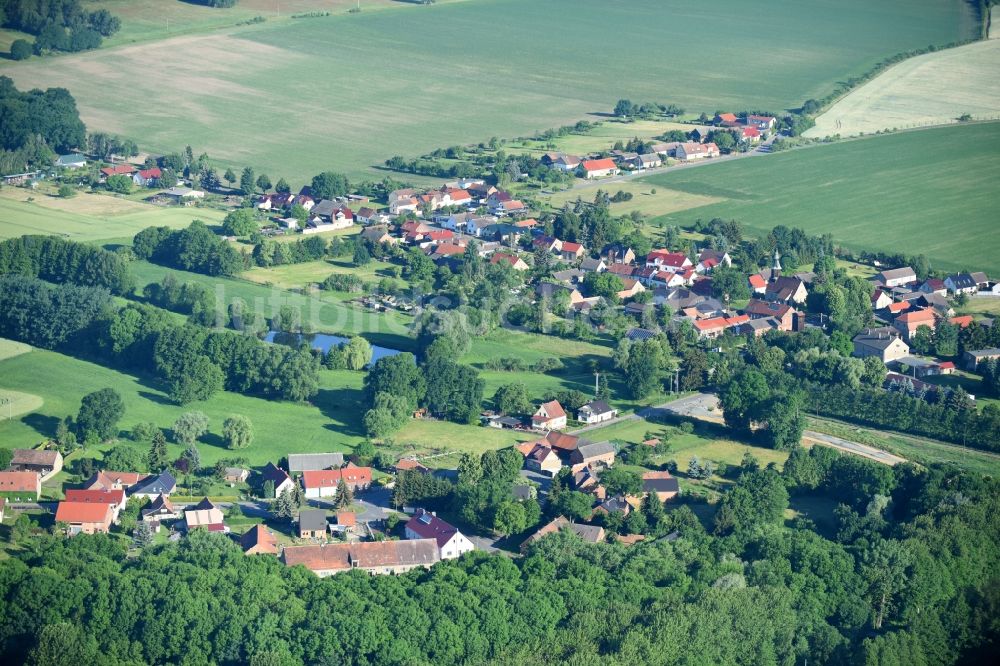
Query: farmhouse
{"points": [[113, 498], [542, 458], [908, 322], [592, 265], [302, 462], [596, 411], [71, 161], [276, 476], [20, 486], [157, 511], [962, 283], [883, 343], [85, 517], [726, 119], [667, 260], [379, 557], [46, 463], [695, 151], [118, 170], [786, 290], [713, 327], [451, 543], [571, 251], [592, 454], [599, 168], [515, 262], [661, 484], [549, 416], [896, 277], [147, 177], [562, 442], [781, 312], [761, 123], [323, 483], [618, 254]]}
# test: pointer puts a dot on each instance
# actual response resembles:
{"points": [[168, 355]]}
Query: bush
{"points": [[21, 49], [66, 191], [119, 184]]}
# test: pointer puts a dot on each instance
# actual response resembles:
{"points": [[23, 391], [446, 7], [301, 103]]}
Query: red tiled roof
{"points": [[599, 165], [757, 281], [961, 321], [118, 170], [751, 132], [328, 478], [727, 117], [151, 173], [441, 235], [553, 409], [916, 316], [899, 307], [83, 512], [96, 496], [18, 482], [448, 249], [667, 258], [946, 365], [501, 256], [259, 537], [569, 246], [347, 518]]}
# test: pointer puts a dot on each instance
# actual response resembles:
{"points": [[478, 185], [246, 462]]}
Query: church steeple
{"points": [[776, 268]]}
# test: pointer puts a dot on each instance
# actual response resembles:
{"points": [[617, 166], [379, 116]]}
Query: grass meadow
{"points": [[929, 191], [295, 97], [89, 217]]}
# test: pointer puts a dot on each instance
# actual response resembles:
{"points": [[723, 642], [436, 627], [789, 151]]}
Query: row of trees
{"points": [[56, 260]]}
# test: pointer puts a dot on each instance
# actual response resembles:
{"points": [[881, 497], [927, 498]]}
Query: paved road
{"points": [[870, 452]]}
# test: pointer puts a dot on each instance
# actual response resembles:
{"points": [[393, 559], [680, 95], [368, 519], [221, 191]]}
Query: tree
{"points": [[238, 432], [619, 481], [282, 186], [874, 372], [240, 222], [362, 256], [343, 497], [157, 459], [624, 108], [329, 185], [510, 518], [922, 341], [64, 644], [729, 284], [247, 181], [573, 504], [286, 506], [127, 458], [189, 426], [22, 528], [100, 413], [197, 380], [644, 366], [119, 184], [143, 535], [357, 353], [66, 191], [512, 399], [192, 456], [6, 455], [263, 182], [229, 177], [885, 572], [398, 376]]}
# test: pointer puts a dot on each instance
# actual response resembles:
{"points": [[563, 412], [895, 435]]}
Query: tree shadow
{"points": [[44, 424], [344, 408], [156, 397], [212, 439]]}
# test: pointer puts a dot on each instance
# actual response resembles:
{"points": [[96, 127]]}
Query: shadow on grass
{"points": [[344, 407], [43, 424], [158, 398]]}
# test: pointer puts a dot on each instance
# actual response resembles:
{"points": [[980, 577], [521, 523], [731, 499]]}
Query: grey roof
{"points": [[72, 158], [303, 462], [521, 492], [164, 483], [568, 275], [591, 533], [590, 264], [593, 449], [312, 519], [962, 280], [597, 407], [877, 338], [660, 485], [984, 353], [324, 208], [613, 504], [896, 273], [915, 362], [979, 277]]}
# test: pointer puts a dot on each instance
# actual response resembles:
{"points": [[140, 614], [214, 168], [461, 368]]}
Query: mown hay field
{"points": [[295, 97], [928, 191]]}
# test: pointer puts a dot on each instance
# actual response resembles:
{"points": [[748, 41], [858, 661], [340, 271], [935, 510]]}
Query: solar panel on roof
{"points": [[426, 519]]}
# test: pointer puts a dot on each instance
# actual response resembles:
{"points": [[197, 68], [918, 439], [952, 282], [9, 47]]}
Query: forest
{"points": [[907, 577]]}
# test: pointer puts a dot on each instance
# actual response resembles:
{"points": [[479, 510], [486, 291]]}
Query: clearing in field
{"points": [[12, 348], [15, 403], [926, 192], [930, 89], [89, 217], [646, 199], [346, 92]]}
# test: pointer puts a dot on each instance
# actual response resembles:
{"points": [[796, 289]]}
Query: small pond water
{"points": [[324, 342]]}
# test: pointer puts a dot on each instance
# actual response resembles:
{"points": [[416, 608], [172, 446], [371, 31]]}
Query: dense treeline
{"points": [[61, 261], [195, 249], [908, 577], [35, 123], [58, 25], [46, 315]]}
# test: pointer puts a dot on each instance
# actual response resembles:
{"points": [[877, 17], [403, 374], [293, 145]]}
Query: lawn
{"points": [[89, 217], [929, 191], [324, 311], [295, 97], [296, 276], [647, 199], [603, 136]]}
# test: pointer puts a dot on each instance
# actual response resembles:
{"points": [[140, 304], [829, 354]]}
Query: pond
{"points": [[324, 342]]}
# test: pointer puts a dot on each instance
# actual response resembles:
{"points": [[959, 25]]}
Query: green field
{"points": [[295, 97], [89, 217], [929, 192]]}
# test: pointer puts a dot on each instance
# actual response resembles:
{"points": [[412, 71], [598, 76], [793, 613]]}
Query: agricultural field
{"points": [[89, 217], [296, 276], [348, 91], [928, 191], [930, 89], [647, 200]]}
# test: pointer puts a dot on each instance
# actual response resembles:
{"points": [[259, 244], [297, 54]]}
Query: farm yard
{"points": [[929, 192], [348, 91], [930, 89]]}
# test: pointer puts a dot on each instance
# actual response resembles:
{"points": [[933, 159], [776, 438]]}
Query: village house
{"points": [[113, 498], [71, 161], [543, 459], [896, 277], [147, 177], [726, 120], [278, 477], [205, 515], [549, 416], [709, 259], [451, 543], [258, 540], [667, 260], [118, 170], [783, 313], [571, 251], [883, 343], [409, 464], [630, 288], [695, 151], [614, 505], [161, 484], [909, 322], [591, 265], [275, 201], [548, 291], [515, 262], [47, 463], [600, 168], [591, 454], [562, 443], [323, 483], [345, 523], [313, 524], [85, 517], [378, 557], [761, 123], [109, 480], [157, 511], [596, 411], [963, 283], [502, 203], [972, 359], [563, 162], [20, 486], [749, 134], [713, 327], [235, 475], [617, 253], [881, 300], [933, 286], [588, 533]]}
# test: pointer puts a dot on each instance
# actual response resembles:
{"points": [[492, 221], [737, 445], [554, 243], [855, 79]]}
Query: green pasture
{"points": [[929, 192], [295, 97]]}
